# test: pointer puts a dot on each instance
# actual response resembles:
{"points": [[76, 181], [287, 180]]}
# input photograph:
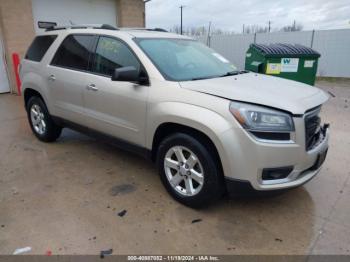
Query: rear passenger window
{"points": [[74, 52], [39, 47]]}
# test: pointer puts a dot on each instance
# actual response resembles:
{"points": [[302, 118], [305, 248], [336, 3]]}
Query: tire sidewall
{"points": [[51, 131], [211, 189]]}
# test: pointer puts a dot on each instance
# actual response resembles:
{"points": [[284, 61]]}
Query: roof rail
{"points": [[158, 30], [82, 26], [144, 29]]}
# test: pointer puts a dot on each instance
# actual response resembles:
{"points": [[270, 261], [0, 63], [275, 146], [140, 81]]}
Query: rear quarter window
{"points": [[39, 47]]}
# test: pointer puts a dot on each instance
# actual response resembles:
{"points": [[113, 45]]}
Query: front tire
{"points": [[41, 122], [189, 171]]}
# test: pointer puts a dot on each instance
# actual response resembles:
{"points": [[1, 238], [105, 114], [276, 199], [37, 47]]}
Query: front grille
{"points": [[313, 130]]}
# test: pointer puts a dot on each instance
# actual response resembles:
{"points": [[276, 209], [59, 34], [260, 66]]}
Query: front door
{"points": [[116, 108]]}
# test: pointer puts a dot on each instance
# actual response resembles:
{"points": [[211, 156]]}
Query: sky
{"points": [[230, 15]]}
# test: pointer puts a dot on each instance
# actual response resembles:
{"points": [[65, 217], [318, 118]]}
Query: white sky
{"points": [[232, 14]]}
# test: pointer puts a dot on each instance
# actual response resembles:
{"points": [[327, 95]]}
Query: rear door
{"points": [[116, 108], [67, 77]]}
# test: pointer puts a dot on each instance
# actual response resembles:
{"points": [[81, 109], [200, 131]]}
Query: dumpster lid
{"points": [[290, 50]]}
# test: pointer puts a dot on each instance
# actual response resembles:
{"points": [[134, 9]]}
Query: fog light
{"points": [[276, 173]]}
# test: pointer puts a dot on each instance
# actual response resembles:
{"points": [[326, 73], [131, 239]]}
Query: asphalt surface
{"points": [[81, 196]]}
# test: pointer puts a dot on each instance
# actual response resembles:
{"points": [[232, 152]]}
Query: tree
{"points": [[252, 29], [292, 28]]}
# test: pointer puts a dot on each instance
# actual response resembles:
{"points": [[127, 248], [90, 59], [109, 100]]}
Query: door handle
{"points": [[91, 87], [52, 78]]}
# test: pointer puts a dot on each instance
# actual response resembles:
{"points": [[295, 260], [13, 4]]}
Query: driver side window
{"points": [[111, 54]]}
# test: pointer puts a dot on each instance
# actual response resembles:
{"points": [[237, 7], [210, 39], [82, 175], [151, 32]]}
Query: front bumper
{"points": [[245, 158]]}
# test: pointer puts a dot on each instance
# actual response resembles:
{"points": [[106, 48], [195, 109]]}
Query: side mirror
{"points": [[128, 74]]}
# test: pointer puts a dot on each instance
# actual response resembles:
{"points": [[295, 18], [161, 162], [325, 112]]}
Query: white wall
{"points": [[4, 82], [77, 11], [333, 45]]}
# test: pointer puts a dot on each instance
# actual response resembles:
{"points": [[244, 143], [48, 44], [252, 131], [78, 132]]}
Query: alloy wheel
{"points": [[38, 119], [184, 171]]}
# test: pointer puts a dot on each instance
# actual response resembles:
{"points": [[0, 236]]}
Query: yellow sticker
{"points": [[273, 69]]}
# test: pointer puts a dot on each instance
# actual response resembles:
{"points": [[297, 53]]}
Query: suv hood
{"points": [[276, 92]]}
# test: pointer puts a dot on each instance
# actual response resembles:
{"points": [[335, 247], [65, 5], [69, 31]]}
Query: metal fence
{"points": [[333, 45]]}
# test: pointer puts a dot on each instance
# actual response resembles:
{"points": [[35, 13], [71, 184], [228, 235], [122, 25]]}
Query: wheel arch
{"points": [[30, 92], [166, 129]]}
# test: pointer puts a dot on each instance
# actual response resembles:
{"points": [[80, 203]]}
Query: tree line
{"points": [[247, 29]]}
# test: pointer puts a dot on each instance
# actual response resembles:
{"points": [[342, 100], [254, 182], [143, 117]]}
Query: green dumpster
{"points": [[294, 62]]}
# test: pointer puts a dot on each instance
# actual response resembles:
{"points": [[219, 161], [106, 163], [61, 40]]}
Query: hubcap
{"points": [[184, 171], [38, 119]]}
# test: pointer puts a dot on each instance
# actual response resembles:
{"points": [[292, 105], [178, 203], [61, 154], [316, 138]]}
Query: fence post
{"points": [[312, 38]]}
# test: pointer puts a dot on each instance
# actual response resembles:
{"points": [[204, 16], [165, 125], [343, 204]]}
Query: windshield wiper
{"points": [[202, 78], [231, 73]]}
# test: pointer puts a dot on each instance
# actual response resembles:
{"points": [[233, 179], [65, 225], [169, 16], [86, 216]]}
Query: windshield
{"points": [[182, 59]]}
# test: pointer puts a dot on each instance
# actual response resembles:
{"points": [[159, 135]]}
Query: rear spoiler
{"points": [[46, 25]]}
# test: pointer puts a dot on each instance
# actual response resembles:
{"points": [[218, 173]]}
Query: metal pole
{"points": [[181, 31], [209, 34], [312, 38]]}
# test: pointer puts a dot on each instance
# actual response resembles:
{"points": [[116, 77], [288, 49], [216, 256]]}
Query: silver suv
{"points": [[210, 128]]}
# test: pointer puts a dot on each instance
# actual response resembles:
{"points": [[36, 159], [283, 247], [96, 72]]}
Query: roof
{"points": [[109, 30], [290, 50], [154, 34]]}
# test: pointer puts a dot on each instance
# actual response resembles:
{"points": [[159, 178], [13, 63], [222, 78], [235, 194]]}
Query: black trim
{"points": [[122, 144], [282, 172], [242, 188], [275, 136], [237, 187]]}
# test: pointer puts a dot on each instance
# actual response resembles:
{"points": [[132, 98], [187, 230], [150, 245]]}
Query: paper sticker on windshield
{"points": [[273, 69], [221, 58]]}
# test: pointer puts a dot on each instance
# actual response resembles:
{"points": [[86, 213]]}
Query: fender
{"points": [[31, 80], [207, 121]]}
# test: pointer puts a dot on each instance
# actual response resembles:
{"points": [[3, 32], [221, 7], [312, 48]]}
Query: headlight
{"points": [[259, 118]]}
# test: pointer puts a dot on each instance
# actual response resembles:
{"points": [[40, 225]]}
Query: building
{"points": [[18, 23]]}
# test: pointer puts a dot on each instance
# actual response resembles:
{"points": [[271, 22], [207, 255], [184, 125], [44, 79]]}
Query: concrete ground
{"points": [[65, 197]]}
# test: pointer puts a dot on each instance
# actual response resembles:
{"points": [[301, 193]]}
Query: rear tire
{"points": [[40, 120], [189, 171]]}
